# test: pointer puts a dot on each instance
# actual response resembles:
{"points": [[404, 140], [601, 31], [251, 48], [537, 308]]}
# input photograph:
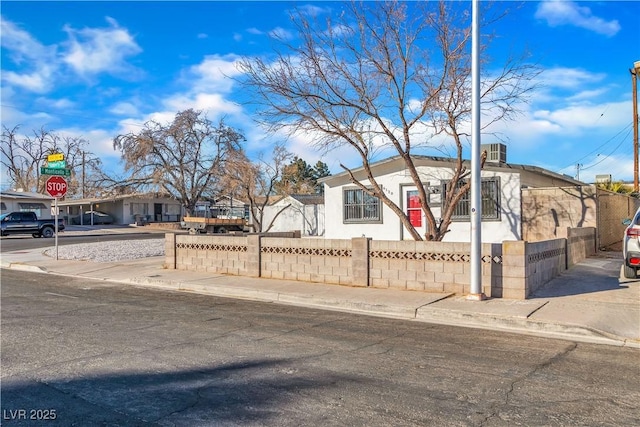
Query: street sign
{"points": [[55, 157], [56, 186], [58, 164], [52, 171]]}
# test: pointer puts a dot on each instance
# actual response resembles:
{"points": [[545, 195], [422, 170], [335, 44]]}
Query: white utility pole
{"points": [[476, 194]]}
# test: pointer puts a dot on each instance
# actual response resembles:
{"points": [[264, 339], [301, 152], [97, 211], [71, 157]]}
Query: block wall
{"points": [[308, 260], [581, 243], [431, 266], [215, 254], [513, 269]]}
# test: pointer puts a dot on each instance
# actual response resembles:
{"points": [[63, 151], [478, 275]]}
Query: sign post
{"points": [[56, 187]]}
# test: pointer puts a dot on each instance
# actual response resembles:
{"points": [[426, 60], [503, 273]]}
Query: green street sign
{"points": [[58, 164], [53, 171]]}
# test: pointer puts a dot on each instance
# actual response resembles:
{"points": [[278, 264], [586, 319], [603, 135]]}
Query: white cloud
{"points": [[212, 103], [28, 54], [58, 104], [92, 51], [281, 34], [559, 12], [213, 74], [583, 118], [38, 81], [569, 78], [311, 10], [254, 31], [124, 109]]}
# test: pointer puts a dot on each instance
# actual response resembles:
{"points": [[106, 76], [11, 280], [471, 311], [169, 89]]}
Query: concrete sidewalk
{"points": [[589, 303]]}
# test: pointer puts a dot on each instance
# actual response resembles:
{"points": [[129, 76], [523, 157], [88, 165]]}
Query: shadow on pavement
{"points": [[238, 393]]}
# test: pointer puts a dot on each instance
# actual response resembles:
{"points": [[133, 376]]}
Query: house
{"points": [[125, 209], [297, 212], [349, 212], [25, 201]]}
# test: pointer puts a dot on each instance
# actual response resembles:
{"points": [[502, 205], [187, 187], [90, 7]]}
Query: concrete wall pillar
{"points": [[360, 260], [515, 279], [170, 251], [254, 259]]}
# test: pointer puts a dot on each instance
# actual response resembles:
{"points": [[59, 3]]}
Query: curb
{"points": [[425, 313]]}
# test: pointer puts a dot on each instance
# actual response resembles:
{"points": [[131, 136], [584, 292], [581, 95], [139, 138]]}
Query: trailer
{"points": [[210, 219], [202, 225]]}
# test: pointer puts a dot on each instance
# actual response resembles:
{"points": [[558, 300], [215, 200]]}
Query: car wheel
{"points": [[630, 272], [47, 232]]}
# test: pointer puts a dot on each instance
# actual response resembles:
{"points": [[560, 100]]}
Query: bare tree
{"points": [[23, 155], [256, 182], [385, 75], [185, 159]]}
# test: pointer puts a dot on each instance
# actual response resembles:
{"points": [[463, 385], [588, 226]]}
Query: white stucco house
{"points": [[26, 201], [349, 212], [125, 209], [297, 212]]}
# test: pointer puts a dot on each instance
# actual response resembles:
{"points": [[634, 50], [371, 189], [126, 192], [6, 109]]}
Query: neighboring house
{"points": [[297, 212], [125, 209], [24, 201], [349, 212]]}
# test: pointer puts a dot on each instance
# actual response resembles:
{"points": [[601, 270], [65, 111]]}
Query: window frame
{"points": [[362, 205], [495, 201]]}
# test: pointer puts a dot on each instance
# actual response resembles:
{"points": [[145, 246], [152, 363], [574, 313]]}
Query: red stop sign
{"points": [[56, 186]]}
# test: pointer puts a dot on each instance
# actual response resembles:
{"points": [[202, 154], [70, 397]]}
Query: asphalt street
{"points": [[88, 352]]}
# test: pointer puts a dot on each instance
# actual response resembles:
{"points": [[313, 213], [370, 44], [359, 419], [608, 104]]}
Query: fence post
{"points": [[515, 280], [254, 258], [170, 251], [360, 260]]}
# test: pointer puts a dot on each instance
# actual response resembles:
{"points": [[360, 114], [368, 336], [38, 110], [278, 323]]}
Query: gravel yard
{"points": [[110, 251]]}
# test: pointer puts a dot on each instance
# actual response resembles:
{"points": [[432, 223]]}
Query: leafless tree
{"points": [[256, 181], [386, 75], [23, 155], [185, 159]]}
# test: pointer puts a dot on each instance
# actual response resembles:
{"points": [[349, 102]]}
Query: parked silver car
{"points": [[631, 246]]}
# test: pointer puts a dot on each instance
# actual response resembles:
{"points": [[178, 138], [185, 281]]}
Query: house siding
{"points": [[508, 227]]}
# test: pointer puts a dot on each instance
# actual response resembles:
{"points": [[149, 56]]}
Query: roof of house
{"points": [[22, 195], [93, 200], [396, 163], [309, 199]]}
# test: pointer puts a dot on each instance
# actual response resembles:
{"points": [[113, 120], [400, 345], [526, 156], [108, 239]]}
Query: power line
{"points": [[608, 155], [600, 146]]}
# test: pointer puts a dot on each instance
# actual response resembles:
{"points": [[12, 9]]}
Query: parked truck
{"points": [[28, 223], [216, 219]]}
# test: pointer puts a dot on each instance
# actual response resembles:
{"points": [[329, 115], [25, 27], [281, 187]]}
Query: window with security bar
{"points": [[360, 207], [490, 190]]}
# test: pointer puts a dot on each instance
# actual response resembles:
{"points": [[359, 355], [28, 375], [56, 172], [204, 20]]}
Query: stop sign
{"points": [[56, 186]]}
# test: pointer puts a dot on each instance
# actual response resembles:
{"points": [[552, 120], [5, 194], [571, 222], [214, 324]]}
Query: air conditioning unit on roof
{"points": [[496, 153]]}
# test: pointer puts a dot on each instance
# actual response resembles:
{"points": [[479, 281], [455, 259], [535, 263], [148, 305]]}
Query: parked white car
{"points": [[631, 246]]}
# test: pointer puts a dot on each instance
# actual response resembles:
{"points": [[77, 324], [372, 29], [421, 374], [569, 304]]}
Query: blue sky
{"points": [[99, 69]]}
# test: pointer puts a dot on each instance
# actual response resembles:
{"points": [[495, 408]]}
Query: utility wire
{"points": [[600, 146], [608, 155]]}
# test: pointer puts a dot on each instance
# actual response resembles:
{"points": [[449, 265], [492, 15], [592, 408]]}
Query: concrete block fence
{"points": [[513, 269]]}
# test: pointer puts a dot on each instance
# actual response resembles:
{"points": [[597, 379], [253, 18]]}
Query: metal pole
{"points": [[634, 88], [55, 222], [476, 195]]}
